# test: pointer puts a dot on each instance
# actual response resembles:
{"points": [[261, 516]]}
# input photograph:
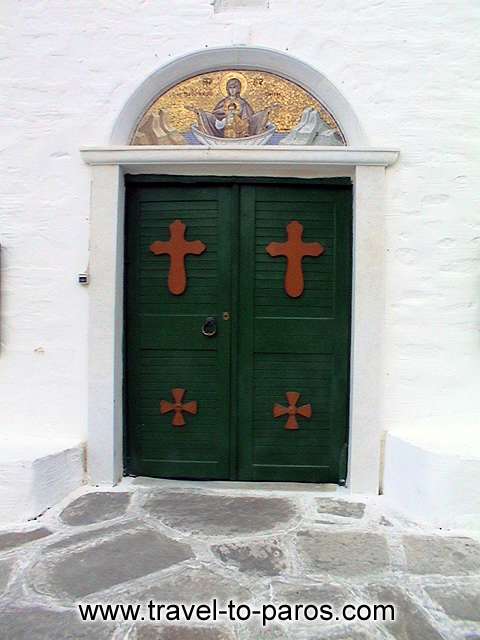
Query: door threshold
{"points": [[234, 485]]}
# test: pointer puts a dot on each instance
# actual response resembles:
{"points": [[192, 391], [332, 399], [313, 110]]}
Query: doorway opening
{"points": [[237, 338]]}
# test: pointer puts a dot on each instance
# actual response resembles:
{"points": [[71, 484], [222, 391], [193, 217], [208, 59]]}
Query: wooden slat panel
{"points": [[318, 220], [166, 348], [295, 344]]}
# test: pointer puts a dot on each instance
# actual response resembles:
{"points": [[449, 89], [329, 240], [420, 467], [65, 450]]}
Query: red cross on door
{"points": [[178, 407], [294, 250], [177, 248], [292, 411]]}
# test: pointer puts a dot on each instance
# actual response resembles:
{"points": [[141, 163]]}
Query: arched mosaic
{"points": [[242, 107]]}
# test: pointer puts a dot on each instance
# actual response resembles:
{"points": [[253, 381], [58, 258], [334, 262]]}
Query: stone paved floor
{"points": [[190, 542]]}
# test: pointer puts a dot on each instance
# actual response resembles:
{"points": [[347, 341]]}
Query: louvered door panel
{"points": [[166, 349], [294, 344]]}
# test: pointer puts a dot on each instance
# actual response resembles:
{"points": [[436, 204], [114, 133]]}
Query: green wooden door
{"points": [[291, 344], [272, 384], [165, 347]]}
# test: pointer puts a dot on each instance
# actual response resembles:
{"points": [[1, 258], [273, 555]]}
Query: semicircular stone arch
{"points": [[310, 88]]}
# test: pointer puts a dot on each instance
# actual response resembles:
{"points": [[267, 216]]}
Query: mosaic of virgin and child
{"points": [[233, 116]]}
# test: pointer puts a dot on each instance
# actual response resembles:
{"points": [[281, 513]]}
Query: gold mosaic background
{"points": [[259, 88]]}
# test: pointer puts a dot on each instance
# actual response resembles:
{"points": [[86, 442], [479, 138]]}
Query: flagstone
{"points": [[342, 553], [341, 508], [192, 585], [6, 567], [78, 573], [458, 601], [150, 632], [344, 635], [410, 621], [216, 514], [343, 523], [254, 629], [39, 623], [263, 558], [331, 593], [12, 539], [93, 535], [442, 555], [313, 631], [95, 507]]}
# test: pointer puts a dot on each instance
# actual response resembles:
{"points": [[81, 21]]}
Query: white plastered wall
{"points": [[407, 69]]}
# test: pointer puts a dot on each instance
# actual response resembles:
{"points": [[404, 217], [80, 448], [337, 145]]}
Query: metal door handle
{"points": [[209, 328]]}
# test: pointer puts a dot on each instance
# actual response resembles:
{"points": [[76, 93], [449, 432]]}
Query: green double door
{"points": [[237, 338]]}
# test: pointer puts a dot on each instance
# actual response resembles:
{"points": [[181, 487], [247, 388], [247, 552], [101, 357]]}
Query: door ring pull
{"points": [[209, 327]]}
